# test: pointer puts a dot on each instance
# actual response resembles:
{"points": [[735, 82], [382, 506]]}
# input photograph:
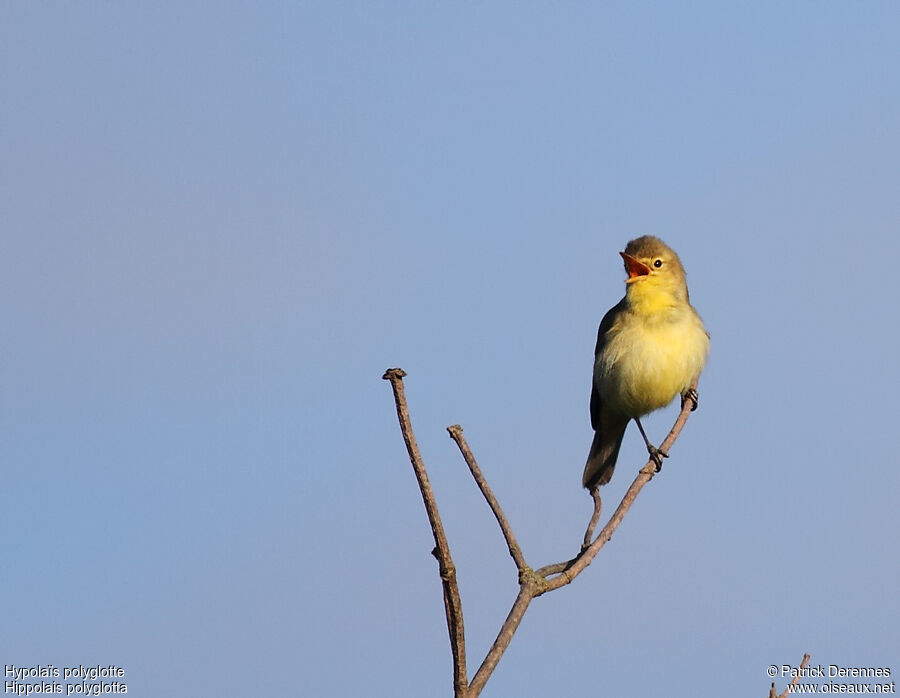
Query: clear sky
{"points": [[222, 222]]}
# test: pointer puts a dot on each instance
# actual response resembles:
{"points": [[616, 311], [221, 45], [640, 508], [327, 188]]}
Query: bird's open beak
{"points": [[634, 268]]}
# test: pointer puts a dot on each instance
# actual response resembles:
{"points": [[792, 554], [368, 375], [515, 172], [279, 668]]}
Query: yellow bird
{"points": [[650, 347]]}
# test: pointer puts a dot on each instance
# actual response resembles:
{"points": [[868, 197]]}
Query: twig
{"points": [[507, 630], [595, 517], [793, 681], [456, 433], [567, 571], [452, 601]]}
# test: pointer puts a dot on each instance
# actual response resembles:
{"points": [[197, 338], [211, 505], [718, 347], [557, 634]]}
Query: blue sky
{"points": [[222, 224]]}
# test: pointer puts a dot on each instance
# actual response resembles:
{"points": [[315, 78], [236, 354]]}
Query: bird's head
{"points": [[653, 269]]}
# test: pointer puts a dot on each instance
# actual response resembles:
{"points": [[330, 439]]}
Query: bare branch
{"points": [[532, 583], [456, 433], [507, 630], [576, 565], [793, 681], [536, 583], [567, 571], [595, 517], [452, 601]]}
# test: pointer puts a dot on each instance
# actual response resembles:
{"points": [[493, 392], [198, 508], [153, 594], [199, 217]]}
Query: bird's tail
{"points": [[601, 460]]}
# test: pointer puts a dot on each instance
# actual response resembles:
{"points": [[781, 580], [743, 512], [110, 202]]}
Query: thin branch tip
{"points": [[514, 550], [450, 588], [595, 517], [793, 682]]}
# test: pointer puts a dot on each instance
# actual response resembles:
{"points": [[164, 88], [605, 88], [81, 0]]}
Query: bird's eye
{"points": [[657, 263]]}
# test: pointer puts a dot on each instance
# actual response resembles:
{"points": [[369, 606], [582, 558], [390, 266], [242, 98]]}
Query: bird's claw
{"points": [[657, 455], [693, 396]]}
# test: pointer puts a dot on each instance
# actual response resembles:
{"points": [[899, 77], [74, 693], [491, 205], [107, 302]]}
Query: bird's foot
{"points": [[657, 455], [693, 396]]}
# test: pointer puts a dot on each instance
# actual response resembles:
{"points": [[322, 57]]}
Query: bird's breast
{"points": [[644, 365]]}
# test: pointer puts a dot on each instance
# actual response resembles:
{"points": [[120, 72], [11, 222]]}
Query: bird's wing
{"points": [[596, 406], [605, 325]]}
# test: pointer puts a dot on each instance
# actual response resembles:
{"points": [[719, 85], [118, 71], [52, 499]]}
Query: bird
{"points": [[651, 346]]}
